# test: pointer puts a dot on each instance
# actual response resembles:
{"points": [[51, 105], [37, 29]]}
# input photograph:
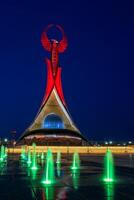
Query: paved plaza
{"points": [[19, 182]]}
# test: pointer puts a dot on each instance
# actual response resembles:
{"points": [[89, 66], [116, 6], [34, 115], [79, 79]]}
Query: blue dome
{"points": [[53, 121]]}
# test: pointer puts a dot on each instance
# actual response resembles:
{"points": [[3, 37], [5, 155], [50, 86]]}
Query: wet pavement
{"points": [[19, 182]]}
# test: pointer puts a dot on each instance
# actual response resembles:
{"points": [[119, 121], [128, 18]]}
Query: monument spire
{"points": [[53, 69], [53, 123]]}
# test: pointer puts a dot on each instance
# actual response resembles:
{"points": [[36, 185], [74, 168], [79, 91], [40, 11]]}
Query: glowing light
{"points": [[2, 153], [42, 156], [48, 192], [75, 177], [106, 142], [1, 159], [23, 152], [34, 164], [58, 169], [34, 168], [49, 169], [108, 167], [5, 140], [58, 157], [29, 161], [76, 161], [47, 182], [108, 180], [53, 121], [109, 190]]}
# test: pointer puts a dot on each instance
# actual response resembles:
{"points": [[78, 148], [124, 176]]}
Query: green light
{"points": [[48, 192], [2, 153], [29, 161], [6, 152], [38, 155], [34, 168], [34, 160], [108, 167], [74, 168], [47, 182], [49, 169], [1, 159], [75, 178], [33, 173], [108, 180], [58, 157], [76, 161], [109, 191], [58, 169], [42, 156], [23, 152]]}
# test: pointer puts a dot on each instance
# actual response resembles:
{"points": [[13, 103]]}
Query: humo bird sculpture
{"points": [[54, 46]]}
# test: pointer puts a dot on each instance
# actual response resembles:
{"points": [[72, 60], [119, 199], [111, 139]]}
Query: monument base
{"points": [[52, 137]]}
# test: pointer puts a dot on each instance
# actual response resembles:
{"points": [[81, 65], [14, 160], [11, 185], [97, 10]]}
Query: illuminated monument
{"points": [[53, 124]]}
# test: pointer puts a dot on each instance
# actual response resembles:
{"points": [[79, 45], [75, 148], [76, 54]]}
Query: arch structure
{"points": [[53, 124], [53, 121]]}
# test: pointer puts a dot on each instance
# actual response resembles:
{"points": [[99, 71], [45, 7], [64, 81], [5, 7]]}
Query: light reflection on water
{"points": [[109, 191], [33, 174], [48, 193], [75, 178], [62, 193], [52, 192], [58, 169]]}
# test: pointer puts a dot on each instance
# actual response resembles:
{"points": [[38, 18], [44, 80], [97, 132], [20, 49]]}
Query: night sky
{"points": [[98, 66]]}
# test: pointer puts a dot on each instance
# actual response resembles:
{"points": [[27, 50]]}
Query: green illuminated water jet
{"points": [[38, 155], [29, 159], [58, 169], [76, 161], [108, 167], [2, 153], [58, 157], [34, 160], [42, 155], [23, 152], [5, 152], [49, 169]]}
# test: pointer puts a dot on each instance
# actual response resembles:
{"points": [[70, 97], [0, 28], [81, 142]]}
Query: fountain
{"points": [[108, 167], [58, 169], [38, 155], [2, 153], [23, 153], [76, 161], [29, 157], [34, 160], [42, 156], [49, 169], [58, 157], [5, 152]]}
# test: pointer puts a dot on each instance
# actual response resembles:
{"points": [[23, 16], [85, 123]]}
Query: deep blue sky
{"points": [[98, 66]]}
